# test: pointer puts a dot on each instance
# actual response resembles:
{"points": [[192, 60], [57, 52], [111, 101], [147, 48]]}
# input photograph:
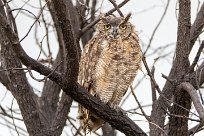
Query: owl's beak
{"points": [[115, 32]]}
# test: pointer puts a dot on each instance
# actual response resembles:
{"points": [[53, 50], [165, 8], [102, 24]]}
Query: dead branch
{"points": [[116, 119], [117, 8], [144, 114], [179, 68], [194, 96], [154, 95], [98, 19], [191, 68], [157, 26], [197, 27]]}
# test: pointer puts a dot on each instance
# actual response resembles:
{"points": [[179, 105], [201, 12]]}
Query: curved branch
{"points": [[98, 19], [194, 96], [117, 119]]}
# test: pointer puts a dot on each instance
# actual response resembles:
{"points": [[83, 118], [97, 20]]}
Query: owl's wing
{"points": [[88, 62], [89, 59]]}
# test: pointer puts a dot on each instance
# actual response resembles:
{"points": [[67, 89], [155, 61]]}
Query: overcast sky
{"points": [[145, 16]]}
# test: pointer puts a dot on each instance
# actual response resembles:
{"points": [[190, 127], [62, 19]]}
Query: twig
{"points": [[10, 126], [7, 115], [158, 89], [28, 12], [164, 133], [117, 8], [154, 95], [150, 75], [195, 129], [145, 115], [33, 23], [77, 129], [39, 80], [98, 19], [168, 79], [180, 116], [46, 26], [13, 118], [11, 69], [157, 26], [191, 68], [197, 27], [128, 94]]}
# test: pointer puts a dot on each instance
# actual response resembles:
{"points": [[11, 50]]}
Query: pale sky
{"points": [[145, 16]]}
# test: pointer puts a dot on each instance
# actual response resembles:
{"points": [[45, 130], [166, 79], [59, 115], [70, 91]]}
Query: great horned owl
{"points": [[108, 66]]}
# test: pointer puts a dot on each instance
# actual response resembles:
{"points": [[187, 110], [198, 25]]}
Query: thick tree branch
{"points": [[72, 59], [197, 104], [49, 99], [116, 119], [18, 84], [194, 96], [61, 114], [179, 68]]}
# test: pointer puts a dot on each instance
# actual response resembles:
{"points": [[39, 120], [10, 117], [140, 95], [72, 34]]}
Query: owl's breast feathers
{"points": [[107, 69], [116, 68]]}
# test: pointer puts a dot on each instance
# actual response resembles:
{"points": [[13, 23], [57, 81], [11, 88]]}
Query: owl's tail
{"points": [[89, 121]]}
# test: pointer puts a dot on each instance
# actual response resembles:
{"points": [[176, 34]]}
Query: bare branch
{"points": [[145, 115], [179, 69], [98, 19], [194, 96], [150, 75], [154, 95], [116, 119], [117, 8], [157, 26], [191, 68], [197, 27]]}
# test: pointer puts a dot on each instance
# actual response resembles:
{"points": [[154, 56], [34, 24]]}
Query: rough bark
{"points": [[179, 126], [116, 119], [178, 70], [19, 87], [197, 27]]}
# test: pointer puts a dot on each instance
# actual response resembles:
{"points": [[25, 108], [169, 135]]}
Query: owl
{"points": [[108, 65]]}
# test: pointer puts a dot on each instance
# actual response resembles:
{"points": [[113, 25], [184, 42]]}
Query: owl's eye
{"points": [[107, 26], [123, 26]]}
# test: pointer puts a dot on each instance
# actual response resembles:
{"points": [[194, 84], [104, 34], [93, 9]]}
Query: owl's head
{"points": [[115, 27]]}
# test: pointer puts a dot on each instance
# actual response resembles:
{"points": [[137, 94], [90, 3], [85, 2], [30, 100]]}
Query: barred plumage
{"points": [[108, 65]]}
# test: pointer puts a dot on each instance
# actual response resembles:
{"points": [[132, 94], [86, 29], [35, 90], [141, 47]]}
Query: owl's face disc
{"points": [[115, 27]]}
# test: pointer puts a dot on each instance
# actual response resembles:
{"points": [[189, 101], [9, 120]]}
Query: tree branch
{"points": [[197, 27], [178, 70], [191, 68], [194, 96], [18, 84], [116, 119], [117, 8], [98, 19]]}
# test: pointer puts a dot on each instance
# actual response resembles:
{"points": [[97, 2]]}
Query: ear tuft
{"points": [[127, 18]]}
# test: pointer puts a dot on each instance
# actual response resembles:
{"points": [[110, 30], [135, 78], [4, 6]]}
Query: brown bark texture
{"points": [[48, 114]]}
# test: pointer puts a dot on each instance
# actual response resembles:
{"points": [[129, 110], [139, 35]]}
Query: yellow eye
{"points": [[123, 26], [107, 26]]}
